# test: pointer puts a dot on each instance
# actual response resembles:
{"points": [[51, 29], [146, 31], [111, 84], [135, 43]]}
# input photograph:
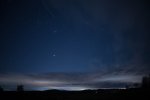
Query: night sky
{"points": [[73, 44]]}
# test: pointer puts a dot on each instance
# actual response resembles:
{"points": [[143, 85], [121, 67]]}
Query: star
{"points": [[54, 55], [54, 31]]}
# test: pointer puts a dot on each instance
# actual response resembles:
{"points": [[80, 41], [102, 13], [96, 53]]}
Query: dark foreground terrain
{"points": [[115, 94]]}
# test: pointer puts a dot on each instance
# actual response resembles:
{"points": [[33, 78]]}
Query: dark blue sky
{"points": [[107, 40]]}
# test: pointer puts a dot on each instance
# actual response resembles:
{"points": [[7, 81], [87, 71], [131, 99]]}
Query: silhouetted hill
{"points": [[101, 94]]}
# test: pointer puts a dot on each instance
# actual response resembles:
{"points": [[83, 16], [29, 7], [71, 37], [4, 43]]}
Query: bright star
{"points": [[54, 55]]}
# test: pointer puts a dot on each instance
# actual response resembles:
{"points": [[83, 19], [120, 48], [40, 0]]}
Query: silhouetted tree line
{"points": [[146, 82], [19, 88], [1, 89]]}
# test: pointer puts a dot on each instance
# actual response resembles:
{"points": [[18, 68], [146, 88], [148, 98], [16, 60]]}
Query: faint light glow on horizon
{"points": [[69, 88]]}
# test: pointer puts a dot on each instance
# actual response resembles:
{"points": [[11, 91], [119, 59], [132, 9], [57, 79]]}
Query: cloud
{"points": [[70, 81]]}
